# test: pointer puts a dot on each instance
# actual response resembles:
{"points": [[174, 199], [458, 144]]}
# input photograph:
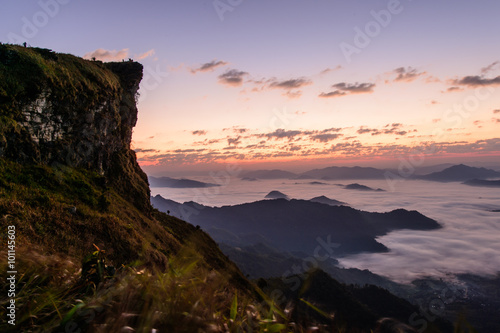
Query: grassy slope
{"points": [[112, 213], [37, 199]]}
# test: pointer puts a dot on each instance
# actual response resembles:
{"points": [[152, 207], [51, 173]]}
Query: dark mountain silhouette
{"points": [[295, 225], [432, 168], [316, 183], [177, 183], [249, 179], [460, 173], [335, 172], [360, 187], [483, 183], [269, 174], [327, 201], [276, 195]]}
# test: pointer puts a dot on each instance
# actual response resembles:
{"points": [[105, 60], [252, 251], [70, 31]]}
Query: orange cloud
{"points": [[145, 55], [107, 55]]}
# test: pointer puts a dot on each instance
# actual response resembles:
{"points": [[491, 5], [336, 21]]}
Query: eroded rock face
{"points": [[72, 112], [84, 134]]}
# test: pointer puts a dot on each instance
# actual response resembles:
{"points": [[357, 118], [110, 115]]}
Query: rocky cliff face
{"points": [[61, 110]]}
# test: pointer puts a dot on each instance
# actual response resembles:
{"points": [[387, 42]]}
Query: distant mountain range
{"points": [[441, 172], [177, 183], [460, 173], [329, 173], [321, 199], [295, 225], [327, 201]]}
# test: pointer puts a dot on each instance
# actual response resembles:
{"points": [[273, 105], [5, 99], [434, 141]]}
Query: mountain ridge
{"points": [[304, 221], [460, 172]]}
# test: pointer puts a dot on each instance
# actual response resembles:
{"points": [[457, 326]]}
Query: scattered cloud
{"points": [[489, 68], [141, 150], [293, 94], [454, 88], [236, 129], [356, 88], [349, 88], [432, 79], [480, 80], [326, 137], [199, 132], [290, 84], [328, 70], [234, 141], [281, 133], [232, 77], [145, 55], [209, 66], [107, 55], [476, 81], [239, 149], [330, 94], [394, 128], [287, 85], [496, 111], [407, 74]]}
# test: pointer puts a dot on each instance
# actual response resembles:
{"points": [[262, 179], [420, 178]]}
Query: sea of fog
{"points": [[469, 241]]}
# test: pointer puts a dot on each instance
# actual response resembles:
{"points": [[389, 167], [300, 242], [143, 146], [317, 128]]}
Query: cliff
{"points": [[72, 188], [61, 110]]}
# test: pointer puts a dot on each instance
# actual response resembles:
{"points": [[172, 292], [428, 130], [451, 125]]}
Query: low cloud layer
{"points": [[468, 243]]}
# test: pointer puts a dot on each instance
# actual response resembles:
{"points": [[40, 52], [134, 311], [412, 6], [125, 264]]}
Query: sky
{"points": [[291, 84]]}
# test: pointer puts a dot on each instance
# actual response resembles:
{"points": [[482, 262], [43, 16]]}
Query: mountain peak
{"points": [[461, 172]]}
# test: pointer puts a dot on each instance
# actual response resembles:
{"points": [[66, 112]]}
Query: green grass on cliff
{"points": [[40, 201], [27, 71]]}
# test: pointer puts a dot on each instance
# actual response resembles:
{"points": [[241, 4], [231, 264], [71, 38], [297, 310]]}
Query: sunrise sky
{"points": [[310, 83]]}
